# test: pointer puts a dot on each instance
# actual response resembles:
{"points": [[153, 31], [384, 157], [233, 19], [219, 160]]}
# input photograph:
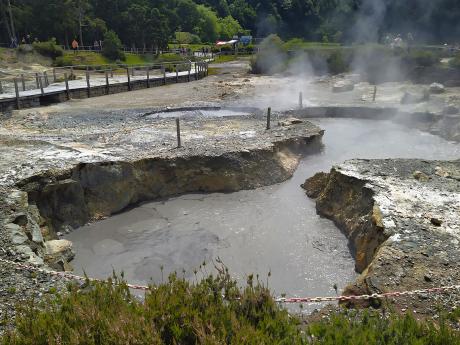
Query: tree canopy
{"points": [[152, 23]]}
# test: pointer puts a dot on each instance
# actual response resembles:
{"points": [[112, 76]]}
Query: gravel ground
{"points": [[113, 128]]}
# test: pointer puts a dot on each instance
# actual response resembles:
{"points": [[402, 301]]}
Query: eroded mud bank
{"points": [[58, 200], [401, 217]]}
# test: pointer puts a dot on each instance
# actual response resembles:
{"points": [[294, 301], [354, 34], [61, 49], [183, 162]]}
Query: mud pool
{"points": [[273, 229]]}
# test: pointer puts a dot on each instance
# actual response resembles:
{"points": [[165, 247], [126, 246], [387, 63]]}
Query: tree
{"points": [[208, 24], [112, 48], [228, 27]]}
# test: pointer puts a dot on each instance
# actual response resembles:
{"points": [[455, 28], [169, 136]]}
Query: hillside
{"points": [[152, 23]]}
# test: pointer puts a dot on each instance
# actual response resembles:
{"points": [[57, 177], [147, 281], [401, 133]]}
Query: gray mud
{"points": [[273, 229]]}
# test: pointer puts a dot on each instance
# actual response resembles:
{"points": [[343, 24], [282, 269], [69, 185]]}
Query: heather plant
{"points": [[214, 310]]}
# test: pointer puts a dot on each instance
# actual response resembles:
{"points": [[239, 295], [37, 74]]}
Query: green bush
{"points": [[370, 328], [336, 62], [48, 48], [214, 311], [272, 57], [423, 58], [455, 62], [112, 48]]}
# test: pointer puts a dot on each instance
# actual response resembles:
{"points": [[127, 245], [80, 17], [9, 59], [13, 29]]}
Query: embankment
{"points": [[401, 217]]}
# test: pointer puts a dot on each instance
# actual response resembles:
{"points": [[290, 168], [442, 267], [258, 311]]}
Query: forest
{"points": [[154, 23]]}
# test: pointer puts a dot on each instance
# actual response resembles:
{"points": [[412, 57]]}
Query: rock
{"points": [[20, 219], [442, 172], [354, 78], [16, 233], [415, 97], [57, 250], [437, 88], [451, 109], [26, 252], [290, 121], [436, 221], [420, 176], [343, 86], [314, 185], [36, 233]]}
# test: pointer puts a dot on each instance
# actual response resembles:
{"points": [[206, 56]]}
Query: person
{"points": [[74, 46], [96, 45], [14, 42]]}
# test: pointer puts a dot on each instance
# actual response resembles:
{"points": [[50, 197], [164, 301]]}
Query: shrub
{"points": [[455, 62], [272, 57], [295, 44], [187, 38], [336, 63], [112, 48], [48, 48], [423, 58], [226, 49], [214, 311], [370, 328]]}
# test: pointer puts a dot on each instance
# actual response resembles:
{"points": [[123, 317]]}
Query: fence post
{"points": [[129, 78], [16, 90], [132, 71], [23, 82], [196, 71], [177, 74], [41, 86], [269, 114], [375, 93], [189, 70], [107, 87], [111, 72], [71, 72], [45, 74], [67, 86], [36, 80], [1, 87], [148, 77], [88, 86], [164, 74], [54, 75], [178, 132], [300, 100]]}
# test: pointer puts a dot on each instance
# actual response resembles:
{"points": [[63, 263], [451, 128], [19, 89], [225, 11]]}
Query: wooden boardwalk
{"points": [[96, 83]]}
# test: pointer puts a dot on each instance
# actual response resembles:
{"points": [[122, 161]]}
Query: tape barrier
{"points": [[283, 300]]}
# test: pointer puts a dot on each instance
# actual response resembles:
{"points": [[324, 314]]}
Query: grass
{"points": [[96, 59], [134, 59], [193, 47], [212, 311], [225, 58], [82, 58]]}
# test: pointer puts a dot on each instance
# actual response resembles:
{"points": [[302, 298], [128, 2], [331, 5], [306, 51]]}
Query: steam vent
{"points": [[208, 174]]}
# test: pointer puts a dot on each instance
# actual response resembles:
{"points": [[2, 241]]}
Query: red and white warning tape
{"points": [[306, 300], [367, 297], [67, 275]]}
